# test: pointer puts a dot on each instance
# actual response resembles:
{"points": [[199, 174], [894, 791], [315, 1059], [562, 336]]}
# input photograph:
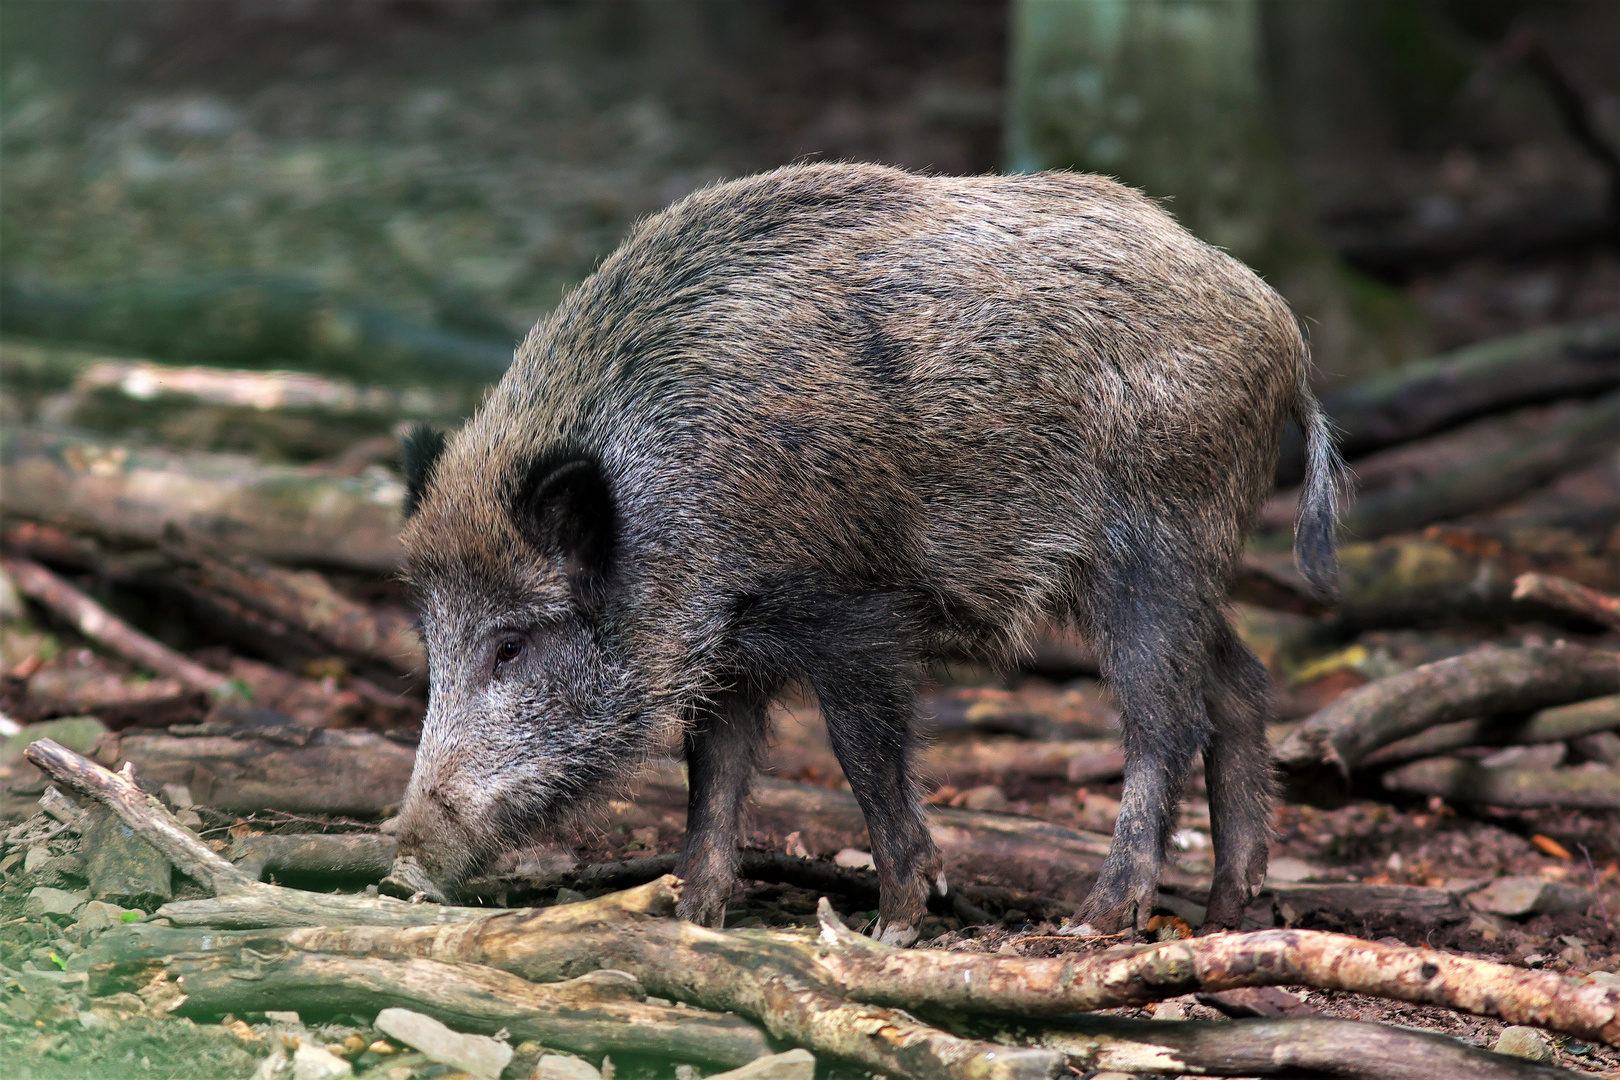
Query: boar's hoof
{"points": [[704, 906], [408, 880], [894, 934]]}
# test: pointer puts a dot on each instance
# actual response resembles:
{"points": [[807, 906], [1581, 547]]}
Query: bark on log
{"points": [[1493, 480], [1033, 711], [1569, 596], [103, 627], [1316, 1046], [599, 1013], [1417, 399], [275, 512], [1468, 782], [1319, 754], [1548, 725]]}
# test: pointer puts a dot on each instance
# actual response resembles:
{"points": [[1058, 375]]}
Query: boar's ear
{"points": [[566, 508], [419, 451]]}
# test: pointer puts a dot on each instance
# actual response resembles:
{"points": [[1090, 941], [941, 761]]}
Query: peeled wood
{"points": [[1548, 725], [1485, 682], [342, 855], [1493, 480], [599, 1013], [1568, 596], [103, 627], [1461, 781], [1346, 1049], [1417, 399], [274, 512]]}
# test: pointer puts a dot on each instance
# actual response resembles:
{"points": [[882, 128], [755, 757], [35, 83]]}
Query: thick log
{"points": [[1493, 480], [308, 601], [249, 320], [279, 513], [103, 627], [1468, 782], [1320, 753], [600, 1013], [344, 773], [1315, 1046], [364, 856], [1079, 762], [1547, 725], [1568, 596], [1034, 711], [1420, 398]]}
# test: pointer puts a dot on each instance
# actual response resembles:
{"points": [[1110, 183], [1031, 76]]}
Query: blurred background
{"points": [[200, 180]]}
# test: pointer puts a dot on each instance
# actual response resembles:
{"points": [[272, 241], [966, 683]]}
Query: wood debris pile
{"points": [[217, 689]]}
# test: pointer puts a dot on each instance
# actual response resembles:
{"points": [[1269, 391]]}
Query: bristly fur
{"points": [[823, 424], [419, 451]]}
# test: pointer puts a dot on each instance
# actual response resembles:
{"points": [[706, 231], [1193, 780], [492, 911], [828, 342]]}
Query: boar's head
{"points": [[529, 710]]}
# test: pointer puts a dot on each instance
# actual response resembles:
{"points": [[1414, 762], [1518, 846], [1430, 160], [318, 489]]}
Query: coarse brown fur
{"points": [[823, 424]]}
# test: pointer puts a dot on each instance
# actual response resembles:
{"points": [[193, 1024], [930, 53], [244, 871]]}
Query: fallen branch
{"points": [[1548, 725], [1493, 480], [1345, 1049], [365, 856], [1079, 762], [1569, 596], [1469, 782], [1431, 395], [103, 627], [1485, 682]]}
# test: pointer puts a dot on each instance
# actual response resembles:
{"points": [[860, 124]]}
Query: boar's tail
{"points": [[1316, 542]]}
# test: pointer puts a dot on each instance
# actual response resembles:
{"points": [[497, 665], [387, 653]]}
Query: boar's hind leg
{"points": [[1149, 627], [1237, 770], [723, 745], [869, 710]]}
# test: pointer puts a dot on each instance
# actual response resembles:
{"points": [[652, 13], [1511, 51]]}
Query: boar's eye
{"points": [[508, 650]]}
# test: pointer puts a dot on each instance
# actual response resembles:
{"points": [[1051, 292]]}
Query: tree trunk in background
{"points": [[1170, 97]]}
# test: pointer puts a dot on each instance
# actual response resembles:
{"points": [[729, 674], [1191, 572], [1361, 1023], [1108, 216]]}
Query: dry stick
{"points": [[1481, 683], [1568, 596], [1547, 725], [100, 625], [1347, 1049], [1461, 781]]}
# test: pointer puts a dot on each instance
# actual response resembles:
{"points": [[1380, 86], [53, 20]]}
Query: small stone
{"points": [[310, 1062], [1289, 871], [77, 733], [563, 1067], [1488, 926], [688, 1072], [179, 795], [987, 797], [44, 900], [566, 895], [37, 856], [282, 1016], [100, 915], [1524, 1042], [853, 859], [1606, 979], [793, 1065], [1517, 896], [479, 1055], [91, 1022]]}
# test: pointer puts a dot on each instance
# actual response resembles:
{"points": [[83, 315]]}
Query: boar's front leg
{"points": [[869, 711], [724, 744]]}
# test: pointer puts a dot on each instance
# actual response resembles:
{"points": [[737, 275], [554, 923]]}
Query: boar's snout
{"points": [[438, 848]]}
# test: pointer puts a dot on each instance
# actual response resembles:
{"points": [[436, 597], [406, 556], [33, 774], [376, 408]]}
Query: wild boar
{"points": [[817, 426]]}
